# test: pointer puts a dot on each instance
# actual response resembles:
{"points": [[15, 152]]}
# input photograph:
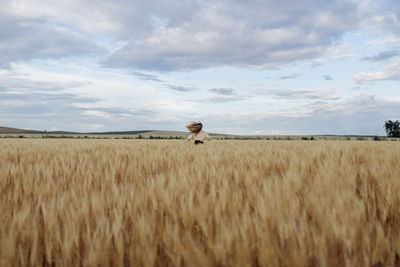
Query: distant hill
{"points": [[124, 132], [166, 134], [8, 130], [145, 133]]}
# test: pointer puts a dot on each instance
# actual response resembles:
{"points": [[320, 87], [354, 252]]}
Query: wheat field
{"points": [[226, 203]]}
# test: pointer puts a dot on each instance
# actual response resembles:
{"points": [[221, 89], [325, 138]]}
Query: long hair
{"points": [[195, 127]]}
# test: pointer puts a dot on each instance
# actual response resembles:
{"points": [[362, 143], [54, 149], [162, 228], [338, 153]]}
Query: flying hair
{"points": [[194, 127]]}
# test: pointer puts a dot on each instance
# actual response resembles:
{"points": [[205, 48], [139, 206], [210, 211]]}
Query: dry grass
{"points": [[227, 203]]}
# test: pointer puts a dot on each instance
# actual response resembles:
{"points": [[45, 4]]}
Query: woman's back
{"points": [[200, 136], [196, 133]]}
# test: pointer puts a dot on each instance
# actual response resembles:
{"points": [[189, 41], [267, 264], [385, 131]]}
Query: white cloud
{"points": [[381, 17], [391, 72], [13, 82], [383, 42], [297, 93], [118, 19], [97, 113], [26, 38], [255, 34], [190, 34]]}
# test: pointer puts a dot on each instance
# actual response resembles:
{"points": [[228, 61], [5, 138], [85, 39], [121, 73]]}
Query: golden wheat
{"points": [[226, 203]]}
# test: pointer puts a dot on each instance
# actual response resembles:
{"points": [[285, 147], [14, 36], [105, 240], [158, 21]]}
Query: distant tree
{"points": [[392, 128]]}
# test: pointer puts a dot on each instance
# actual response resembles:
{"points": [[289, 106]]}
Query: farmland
{"points": [[71, 202]]}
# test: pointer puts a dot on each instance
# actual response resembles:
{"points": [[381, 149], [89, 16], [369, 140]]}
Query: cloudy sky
{"points": [[241, 67]]}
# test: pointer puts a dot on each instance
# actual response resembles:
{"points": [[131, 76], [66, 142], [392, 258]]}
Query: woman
{"points": [[196, 134]]}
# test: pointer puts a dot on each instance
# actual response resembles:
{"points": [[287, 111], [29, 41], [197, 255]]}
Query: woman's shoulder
{"points": [[204, 133]]}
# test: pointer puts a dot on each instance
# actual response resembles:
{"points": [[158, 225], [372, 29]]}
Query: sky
{"points": [[263, 67]]}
